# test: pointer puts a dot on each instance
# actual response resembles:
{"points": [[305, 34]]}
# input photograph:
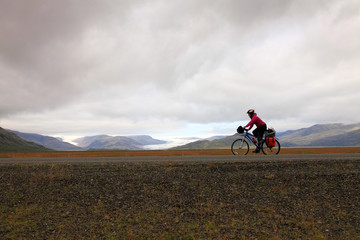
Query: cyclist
{"points": [[260, 126]]}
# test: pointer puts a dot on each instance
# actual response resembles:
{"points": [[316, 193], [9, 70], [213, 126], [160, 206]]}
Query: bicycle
{"points": [[241, 145]]}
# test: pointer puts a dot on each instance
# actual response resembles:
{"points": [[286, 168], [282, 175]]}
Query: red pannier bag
{"points": [[270, 141], [270, 137]]}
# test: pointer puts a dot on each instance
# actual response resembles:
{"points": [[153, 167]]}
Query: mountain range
{"points": [[322, 135], [116, 142], [15, 141], [98, 142], [48, 142], [10, 142], [318, 135]]}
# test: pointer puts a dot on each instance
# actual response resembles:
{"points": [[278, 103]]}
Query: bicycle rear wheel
{"points": [[240, 147], [270, 150]]}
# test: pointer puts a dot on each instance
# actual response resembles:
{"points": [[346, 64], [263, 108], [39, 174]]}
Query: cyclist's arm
{"points": [[247, 129], [251, 123]]}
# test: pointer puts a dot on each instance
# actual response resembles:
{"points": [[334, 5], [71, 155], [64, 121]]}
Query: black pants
{"points": [[259, 132]]}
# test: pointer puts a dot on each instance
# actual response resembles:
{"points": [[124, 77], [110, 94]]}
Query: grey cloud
{"points": [[182, 61], [42, 57]]}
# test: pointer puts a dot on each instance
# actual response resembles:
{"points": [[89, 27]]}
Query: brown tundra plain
{"points": [[315, 150], [315, 199]]}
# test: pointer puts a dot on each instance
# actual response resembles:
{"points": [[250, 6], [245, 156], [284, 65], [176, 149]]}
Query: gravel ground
{"points": [[205, 197]]}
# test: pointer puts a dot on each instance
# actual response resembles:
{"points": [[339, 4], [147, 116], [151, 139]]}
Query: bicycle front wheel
{"points": [[270, 150], [240, 147]]}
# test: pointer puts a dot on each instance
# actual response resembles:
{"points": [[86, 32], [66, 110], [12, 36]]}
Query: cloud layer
{"points": [[160, 67]]}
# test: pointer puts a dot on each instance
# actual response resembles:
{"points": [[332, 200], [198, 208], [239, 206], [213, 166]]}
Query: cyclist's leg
{"points": [[256, 134], [259, 132]]}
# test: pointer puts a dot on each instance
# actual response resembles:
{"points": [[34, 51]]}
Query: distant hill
{"points": [[117, 142], [314, 136], [346, 139], [49, 142], [323, 135], [146, 140], [10, 142], [218, 143], [83, 142], [215, 138]]}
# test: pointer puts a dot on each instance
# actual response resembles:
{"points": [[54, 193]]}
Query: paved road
{"points": [[216, 158]]}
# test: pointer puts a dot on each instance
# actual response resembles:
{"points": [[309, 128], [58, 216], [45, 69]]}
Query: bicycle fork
{"points": [[242, 142]]}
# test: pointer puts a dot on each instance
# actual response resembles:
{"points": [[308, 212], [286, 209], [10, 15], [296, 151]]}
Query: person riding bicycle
{"points": [[260, 126]]}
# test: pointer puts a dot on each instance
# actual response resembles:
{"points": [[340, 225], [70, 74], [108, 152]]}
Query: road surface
{"points": [[210, 158]]}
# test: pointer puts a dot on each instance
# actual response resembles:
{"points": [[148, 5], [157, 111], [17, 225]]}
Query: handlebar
{"points": [[240, 129]]}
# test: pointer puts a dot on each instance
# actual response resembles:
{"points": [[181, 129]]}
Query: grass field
{"points": [[181, 200]]}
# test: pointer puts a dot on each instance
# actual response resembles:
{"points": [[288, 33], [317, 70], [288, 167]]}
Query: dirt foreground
{"points": [[317, 199], [312, 199]]}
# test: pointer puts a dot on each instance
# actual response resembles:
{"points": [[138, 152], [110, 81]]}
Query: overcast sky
{"points": [[177, 68]]}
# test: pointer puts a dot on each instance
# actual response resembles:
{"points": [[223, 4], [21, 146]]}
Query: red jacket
{"points": [[255, 120]]}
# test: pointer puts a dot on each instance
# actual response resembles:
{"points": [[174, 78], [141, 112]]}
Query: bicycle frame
{"points": [[249, 137]]}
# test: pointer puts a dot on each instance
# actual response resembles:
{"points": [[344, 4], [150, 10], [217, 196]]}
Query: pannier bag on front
{"points": [[240, 129]]}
